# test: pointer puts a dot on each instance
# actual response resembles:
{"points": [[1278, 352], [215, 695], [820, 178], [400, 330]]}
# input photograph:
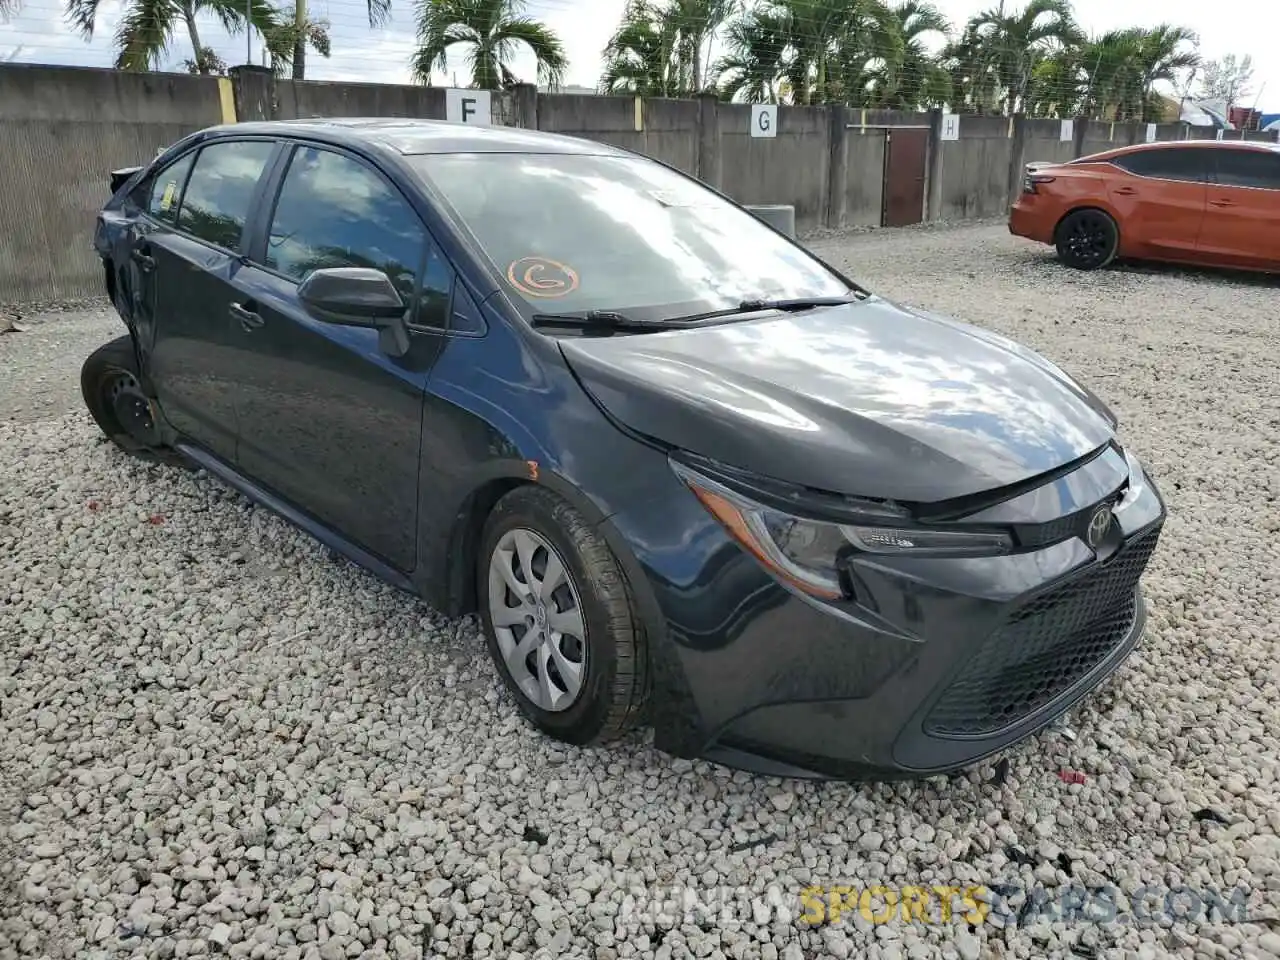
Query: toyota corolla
{"points": [[686, 473]]}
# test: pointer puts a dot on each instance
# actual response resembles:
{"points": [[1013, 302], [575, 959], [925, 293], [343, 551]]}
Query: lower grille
{"points": [[1044, 648]]}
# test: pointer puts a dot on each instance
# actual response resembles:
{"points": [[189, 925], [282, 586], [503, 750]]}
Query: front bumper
{"points": [[935, 664]]}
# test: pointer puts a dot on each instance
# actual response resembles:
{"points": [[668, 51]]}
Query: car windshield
{"points": [[571, 233]]}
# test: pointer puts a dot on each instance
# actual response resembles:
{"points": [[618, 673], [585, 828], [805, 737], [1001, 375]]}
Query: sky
{"points": [[39, 34]]}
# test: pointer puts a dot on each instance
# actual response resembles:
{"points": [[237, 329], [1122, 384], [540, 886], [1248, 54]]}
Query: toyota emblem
{"points": [[1099, 524]]}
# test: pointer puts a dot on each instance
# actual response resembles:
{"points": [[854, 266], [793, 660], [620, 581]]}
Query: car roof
{"points": [[1173, 144], [411, 135]]}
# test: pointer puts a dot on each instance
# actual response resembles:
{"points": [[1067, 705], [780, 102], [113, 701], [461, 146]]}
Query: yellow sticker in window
{"points": [[170, 192]]}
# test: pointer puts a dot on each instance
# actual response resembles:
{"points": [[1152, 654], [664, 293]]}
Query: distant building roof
{"points": [[569, 88]]}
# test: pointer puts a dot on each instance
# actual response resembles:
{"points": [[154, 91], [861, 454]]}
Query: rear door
{"points": [[193, 257], [1242, 224], [327, 420], [151, 207], [1159, 199]]}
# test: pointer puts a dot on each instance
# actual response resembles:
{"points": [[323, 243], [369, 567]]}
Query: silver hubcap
{"points": [[537, 619]]}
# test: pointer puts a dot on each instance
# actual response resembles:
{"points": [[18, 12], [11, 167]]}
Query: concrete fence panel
{"points": [[791, 168], [975, 169], [300, 99], [62, 130], [864, 178]]}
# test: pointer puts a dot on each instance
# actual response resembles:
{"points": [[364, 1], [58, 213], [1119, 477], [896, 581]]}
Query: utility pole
{"points": [[299, 39]]}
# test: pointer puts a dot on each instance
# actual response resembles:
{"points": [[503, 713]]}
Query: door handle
{"points": [[1126, 191], [1222, 203], [146, 263], [249, 319]]}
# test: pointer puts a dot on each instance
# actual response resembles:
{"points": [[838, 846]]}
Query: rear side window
{"points": [[220, 190], [1188, 163], [334, 211], [1249, 168], [166, 189]]}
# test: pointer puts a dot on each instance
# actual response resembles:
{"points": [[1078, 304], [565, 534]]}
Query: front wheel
{"points": [[1087, 240], [558, 616]]}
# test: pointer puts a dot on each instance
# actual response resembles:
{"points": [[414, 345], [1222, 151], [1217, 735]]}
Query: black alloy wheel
{"points": [[1087, 240]]}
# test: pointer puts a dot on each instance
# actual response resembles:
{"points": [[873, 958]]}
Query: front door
{"points": [[193, 259], [1242, 223], [327, 420], [1160, 204], [905, 153]]}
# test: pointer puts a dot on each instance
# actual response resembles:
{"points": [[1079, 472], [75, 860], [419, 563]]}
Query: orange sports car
{"points": [[1211, 203]]}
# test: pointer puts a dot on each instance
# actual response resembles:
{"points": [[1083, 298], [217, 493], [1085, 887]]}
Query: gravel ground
{"points": [[219, 739]]}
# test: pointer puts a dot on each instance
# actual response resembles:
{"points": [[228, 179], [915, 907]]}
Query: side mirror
{"points": [[358, 297]]}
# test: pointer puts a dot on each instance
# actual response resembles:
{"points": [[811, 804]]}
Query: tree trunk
{"points": [[299, 39], [189, 15], [697, 64]]}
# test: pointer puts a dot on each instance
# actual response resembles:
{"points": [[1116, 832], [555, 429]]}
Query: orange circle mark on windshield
{"points": [[540, 277]]}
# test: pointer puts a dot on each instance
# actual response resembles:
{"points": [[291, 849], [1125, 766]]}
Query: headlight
{"points": [[806, 553]]}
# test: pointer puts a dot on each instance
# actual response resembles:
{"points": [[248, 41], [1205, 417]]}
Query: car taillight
{"points": [[1031, 179]]}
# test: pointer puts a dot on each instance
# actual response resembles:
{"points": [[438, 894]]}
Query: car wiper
{"points": [[602, 320], [755, 306]]}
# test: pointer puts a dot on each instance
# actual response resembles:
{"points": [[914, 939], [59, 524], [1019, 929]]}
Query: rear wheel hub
{"points": [[132, 408]]}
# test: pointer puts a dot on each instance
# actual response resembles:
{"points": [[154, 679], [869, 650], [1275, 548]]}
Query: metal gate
{"points": [[904, 172]]}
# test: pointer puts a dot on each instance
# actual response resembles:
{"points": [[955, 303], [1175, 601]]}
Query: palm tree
{"points": [[998, 54], [659, 47], [640, 57], [1111, 66], [490, 30], [922, 81], [1059, 84], [814, 28], [146, 29], [1122, 68], [824, 50], [308, 32], [869, 55], [1163, 59], [752, 68], [695, 22]]}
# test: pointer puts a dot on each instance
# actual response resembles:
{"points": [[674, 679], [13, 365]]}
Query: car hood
{"points": [[868, 399]]}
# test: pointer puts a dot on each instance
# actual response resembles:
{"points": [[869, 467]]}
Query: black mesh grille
{"points": [[1044, 648]]}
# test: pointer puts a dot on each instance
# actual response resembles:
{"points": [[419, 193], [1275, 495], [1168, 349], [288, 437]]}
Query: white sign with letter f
{"points": [[468, 106]]}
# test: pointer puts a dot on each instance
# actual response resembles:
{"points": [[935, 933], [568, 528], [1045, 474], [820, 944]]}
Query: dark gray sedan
{"points": [[687, 474]]}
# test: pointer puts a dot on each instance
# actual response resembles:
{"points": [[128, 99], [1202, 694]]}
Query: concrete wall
{"points": [[792, 168], [63, 129], [664, 129], [976, 169], [864, 178]]}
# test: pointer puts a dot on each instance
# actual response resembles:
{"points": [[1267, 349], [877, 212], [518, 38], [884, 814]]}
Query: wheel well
{"points": [[1061, 220], [465, 541]]}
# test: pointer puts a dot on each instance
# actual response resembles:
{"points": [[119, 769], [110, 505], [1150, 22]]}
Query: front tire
{"points": [[1087, 240], [559, 619], [115, 398]]}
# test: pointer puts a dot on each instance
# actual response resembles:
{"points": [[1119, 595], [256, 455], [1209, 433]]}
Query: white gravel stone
{"points": [[219, 740]]}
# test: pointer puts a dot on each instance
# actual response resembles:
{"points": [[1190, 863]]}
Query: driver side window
{"points": [[335, 212]]}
